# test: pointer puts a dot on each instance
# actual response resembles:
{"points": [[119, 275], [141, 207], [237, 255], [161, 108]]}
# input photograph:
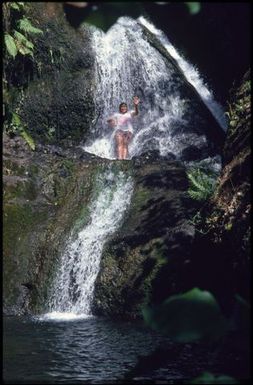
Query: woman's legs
{"points": [[119, 137], [122, 139], [127, 137]]}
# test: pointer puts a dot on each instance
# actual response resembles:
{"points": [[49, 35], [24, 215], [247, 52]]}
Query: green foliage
{"points": [[105, 15], [194, 7], [26, 26], [10, 45], [17, 126], [29, 140], [15, 122], [228, 226], [209, 378], [24, 46], [15, 41], [188, 317], [202, 184], [16, 5], [240, 108], [199, 222]]}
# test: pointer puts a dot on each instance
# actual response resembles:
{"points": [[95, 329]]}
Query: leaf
{"points": [[201, 184], [25, 51], [196, 182], [26, 25], [209, 378], [14, 5], [29, 44], [188, 317], [29, 140], [10, 45], [19, 36], [194, 7], [25, 47], [228, 226], [16, 120]]}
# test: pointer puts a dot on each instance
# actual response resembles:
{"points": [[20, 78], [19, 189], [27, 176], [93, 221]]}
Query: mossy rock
{"points": [[42, 207], [143, 245], [57, 102]]}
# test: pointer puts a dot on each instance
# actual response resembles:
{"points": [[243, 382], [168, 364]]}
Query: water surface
{"points": [[92, 350]]}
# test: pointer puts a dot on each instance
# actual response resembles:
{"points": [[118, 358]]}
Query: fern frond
{"points": [[19, 36], [25, 47], [26, 26], [195, 182], [201, 184], [10, 45], [15, 5], [16, 120], [29, 140]]}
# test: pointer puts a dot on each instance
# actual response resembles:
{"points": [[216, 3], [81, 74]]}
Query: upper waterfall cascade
{"points": [[128, 65], [191, 74]]}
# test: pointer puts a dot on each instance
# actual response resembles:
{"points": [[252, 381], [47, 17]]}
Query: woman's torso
{"points": [[124, 121]]}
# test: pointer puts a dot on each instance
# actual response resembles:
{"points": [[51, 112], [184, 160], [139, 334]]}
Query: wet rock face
{"points": [[43, 194], [202, 123], [155, 231], [220, 259], [231, 208], [58, 103], [233, 193]]}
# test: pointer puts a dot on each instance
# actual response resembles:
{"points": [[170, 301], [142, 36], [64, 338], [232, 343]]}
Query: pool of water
{"points": [[66, 349], [92, 350]]}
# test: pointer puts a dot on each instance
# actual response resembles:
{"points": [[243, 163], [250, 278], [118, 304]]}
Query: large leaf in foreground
{"points": [[188, 317], [209, 378]]}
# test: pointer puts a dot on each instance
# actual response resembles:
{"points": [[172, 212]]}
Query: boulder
{"points": [[58, 102], [155, 232]]}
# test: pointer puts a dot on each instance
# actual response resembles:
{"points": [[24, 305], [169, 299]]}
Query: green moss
{"points": [[140, 198], [22, 189], [156, 249], [33, 169], [82, 220], [13, 168], [239, 109], [19, 221], [68, 165]]}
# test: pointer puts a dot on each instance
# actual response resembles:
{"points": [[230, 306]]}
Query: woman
{"points": [[122, 122]]}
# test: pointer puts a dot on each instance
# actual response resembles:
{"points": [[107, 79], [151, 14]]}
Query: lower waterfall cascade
{"points": [[71, 293]]}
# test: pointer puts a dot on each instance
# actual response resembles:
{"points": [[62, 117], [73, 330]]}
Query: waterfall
{"points": [[191, 75], [127, 65], [72, 291], [170, 120]]}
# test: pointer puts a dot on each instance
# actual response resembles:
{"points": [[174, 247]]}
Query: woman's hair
{"points": [[122, 104]]}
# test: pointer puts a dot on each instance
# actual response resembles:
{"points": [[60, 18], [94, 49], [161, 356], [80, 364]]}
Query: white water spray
{"points": [[191, 74], [127, 65], [73, 287]]}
